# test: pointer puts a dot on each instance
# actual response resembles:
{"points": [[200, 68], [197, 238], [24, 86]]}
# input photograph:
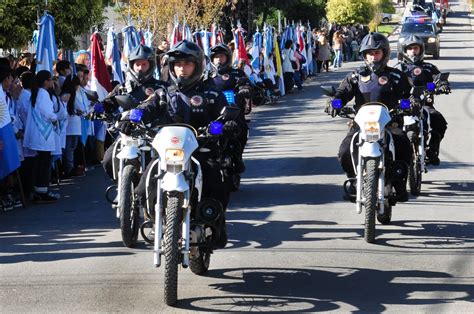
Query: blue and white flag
{"points": [[148, 36], [112, 54], [256, 48], [9, 157], [46, 52], [131, 39], [69, 56]]}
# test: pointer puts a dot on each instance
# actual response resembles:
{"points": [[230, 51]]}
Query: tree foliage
{"points": [[18, 20], [349, 11], [158, 15]]}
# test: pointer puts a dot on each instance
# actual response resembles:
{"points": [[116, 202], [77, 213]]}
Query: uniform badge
{"points": [[149, 91], [196, 100], [365, 79], [383, 80], [225, 77], [417, 71]]}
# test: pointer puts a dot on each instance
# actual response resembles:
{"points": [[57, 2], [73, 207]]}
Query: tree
{"points": [[349, 11], [158, 14], [72, 18]]}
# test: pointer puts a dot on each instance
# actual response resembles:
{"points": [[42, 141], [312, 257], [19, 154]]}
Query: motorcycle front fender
{"points": [[371, 150], [174, 182], [128, 152], [409, 120]]}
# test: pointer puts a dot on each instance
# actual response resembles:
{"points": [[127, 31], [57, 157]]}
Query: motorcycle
{"points": [[131, 153], [374, 162], [417, 126], [185, 225]]}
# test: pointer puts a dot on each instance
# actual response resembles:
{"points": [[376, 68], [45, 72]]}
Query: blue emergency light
{"points": [[216, 128], [405, 104], [431, 86], [229, 95], [136, 115], [336, 103]]}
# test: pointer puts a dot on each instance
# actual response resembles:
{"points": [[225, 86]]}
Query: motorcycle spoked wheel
{"points": [[371, 202], [414, 173], [199, 265], [147, 230], [128, 206], [172, 247]]}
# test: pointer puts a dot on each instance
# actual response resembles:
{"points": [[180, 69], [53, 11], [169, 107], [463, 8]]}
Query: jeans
{"points": [[337, 58], [297, 78], [71, 145]]}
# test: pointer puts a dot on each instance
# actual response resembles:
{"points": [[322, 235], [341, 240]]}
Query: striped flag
{"points": [[100, 80], [256, 48], [46, 52], [277, 57], [112, 54]]}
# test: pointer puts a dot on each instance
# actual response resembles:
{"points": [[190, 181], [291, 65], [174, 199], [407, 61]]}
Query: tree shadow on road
{"points": [[319, 289]]}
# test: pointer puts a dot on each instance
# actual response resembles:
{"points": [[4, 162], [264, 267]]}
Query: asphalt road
{"points": [[294, 244]]}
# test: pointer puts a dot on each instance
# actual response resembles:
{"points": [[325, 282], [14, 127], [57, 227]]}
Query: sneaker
{"points": [[43, 198], [6, 204]]}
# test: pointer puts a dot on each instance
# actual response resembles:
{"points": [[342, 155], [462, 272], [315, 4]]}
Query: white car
{"points": [[386, 17]]}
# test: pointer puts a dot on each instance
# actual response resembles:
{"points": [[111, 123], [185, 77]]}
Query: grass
{"points": [[385, 29]]}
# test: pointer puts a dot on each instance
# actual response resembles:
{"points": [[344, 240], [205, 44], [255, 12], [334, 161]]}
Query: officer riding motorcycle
{"points": [[228, 78], [140, 85], [195, 101], [421, 73], [375, 82]]}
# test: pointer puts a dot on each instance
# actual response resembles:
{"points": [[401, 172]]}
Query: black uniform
{"points": [[388, 87], [420, 74], [139, 92]]}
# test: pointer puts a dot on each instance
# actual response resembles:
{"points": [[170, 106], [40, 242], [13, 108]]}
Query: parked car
{"points": [[386, 17], [427, 30]]}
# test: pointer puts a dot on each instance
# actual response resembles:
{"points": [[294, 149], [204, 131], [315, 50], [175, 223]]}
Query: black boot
{"points": [[222, 241]]}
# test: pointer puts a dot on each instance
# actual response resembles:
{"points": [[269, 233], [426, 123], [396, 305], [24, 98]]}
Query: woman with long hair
{"points": [[39, 135]]}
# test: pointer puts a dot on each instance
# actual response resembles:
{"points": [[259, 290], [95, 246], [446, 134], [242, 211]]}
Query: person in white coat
{"points": [[75, 110], [39, 136]]}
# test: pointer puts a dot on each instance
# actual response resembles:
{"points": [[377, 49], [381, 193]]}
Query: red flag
{"points": [[242, 52], [100, 80]]}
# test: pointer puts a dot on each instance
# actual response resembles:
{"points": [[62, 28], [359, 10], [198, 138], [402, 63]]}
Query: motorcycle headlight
{"points": [[174, 155], [431, 40], [372, 131]]}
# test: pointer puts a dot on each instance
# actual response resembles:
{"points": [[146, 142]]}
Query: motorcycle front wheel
{"points": [[371, 202], [128, 206], [414, 173], [172, 247]]}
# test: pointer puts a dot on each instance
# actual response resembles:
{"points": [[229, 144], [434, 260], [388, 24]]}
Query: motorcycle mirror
{"points": [[328, 90], [216, 128], [405, 104], [336, 103], [99, 108], [230, 113], [136, 115], [127, 102], [92, 95], [229, 95], [443, 76], [431, 86]]}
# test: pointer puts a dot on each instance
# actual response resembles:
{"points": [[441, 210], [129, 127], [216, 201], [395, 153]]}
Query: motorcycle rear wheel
{"points": [[200, 265], [172, 248], [128, 206], [371, 202]]}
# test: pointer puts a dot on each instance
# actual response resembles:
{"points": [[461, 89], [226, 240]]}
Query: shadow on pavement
{"points": [[319, 289]]}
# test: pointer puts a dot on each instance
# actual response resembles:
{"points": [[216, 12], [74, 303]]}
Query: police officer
{"points": [[420, 73], [375, 81], [140, 85], [195, 101], [229, 78]]}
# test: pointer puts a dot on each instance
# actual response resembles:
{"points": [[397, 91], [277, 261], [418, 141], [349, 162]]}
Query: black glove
{"points": [[125, 125], [444, 88], [231, 129], [330, 110]]}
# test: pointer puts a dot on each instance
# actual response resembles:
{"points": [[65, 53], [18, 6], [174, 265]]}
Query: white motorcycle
{"points": [[185, 225], [131, 153], [373, 162]]}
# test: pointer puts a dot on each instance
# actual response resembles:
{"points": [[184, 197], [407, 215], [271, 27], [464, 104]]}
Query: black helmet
{"points": [[376, 41], [413, 40], [189, 51], [221, 48], [141, 52]]}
